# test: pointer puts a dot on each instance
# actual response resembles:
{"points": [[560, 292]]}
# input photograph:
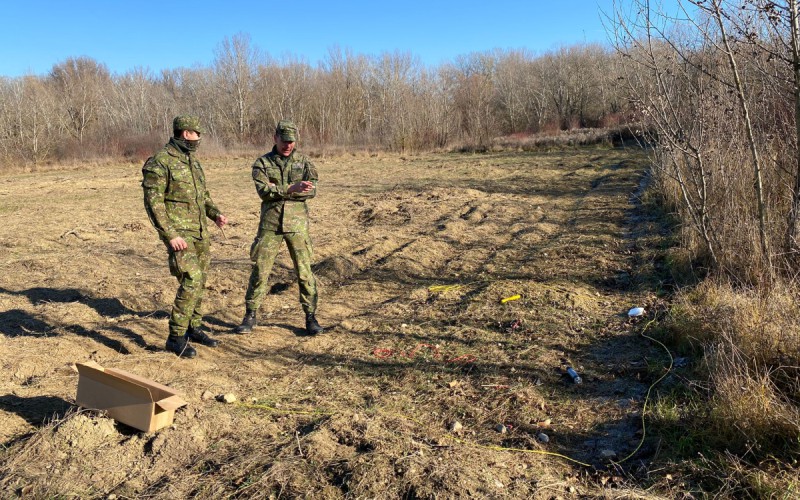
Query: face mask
{"points": [[192, 145], [187, 145]]}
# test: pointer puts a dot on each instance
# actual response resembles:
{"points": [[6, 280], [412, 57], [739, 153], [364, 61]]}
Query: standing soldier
{"points": [[284, 180], [178, 203]]}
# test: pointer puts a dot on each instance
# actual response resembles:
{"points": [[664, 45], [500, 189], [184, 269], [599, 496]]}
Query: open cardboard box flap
{"points": [[171, 403], [139, 402]]}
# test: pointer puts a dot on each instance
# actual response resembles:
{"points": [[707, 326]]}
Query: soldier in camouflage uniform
{"points": [[284, 180], [177, 202]]}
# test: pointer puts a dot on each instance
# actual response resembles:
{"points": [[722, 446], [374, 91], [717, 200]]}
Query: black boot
{"points": [[312, 326], [181, 347], [197, 334], [248, 323]]}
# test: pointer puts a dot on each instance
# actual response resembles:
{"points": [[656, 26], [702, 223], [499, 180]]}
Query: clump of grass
{"points": [[759, 324], [749, 411], [744, 404]]}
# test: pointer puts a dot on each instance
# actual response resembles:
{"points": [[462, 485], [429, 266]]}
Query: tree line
{"points": [[718, 83], [389, 101]]}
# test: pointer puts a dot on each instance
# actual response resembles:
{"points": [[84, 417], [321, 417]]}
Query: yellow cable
{"points": [[647, 397]]}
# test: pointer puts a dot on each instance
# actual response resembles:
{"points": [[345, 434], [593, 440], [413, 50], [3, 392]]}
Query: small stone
{"points": [[502, 429], [207, 395], [227, 398], [542, 437], [456, 427]]}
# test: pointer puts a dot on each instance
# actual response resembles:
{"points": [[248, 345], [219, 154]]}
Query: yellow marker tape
{"points": [[509, 299]]}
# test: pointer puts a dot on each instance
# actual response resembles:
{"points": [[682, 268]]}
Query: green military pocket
{"points": [[180, 173], [255, 247], [181, 184], [296, 173], [175, 263]]}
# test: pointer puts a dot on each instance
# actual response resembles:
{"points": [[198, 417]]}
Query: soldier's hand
{"points": [[220, 221], [301, 187], [178, 244]]}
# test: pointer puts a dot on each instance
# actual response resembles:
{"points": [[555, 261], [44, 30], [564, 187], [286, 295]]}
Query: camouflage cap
{"points": [[188, 122], [286, 130]]}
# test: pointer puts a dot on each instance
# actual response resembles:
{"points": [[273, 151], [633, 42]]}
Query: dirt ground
{"points": [[425, 383]]}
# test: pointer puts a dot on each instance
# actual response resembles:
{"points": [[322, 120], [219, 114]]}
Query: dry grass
{"points": [[746, 420]]}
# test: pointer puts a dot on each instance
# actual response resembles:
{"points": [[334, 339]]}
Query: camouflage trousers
{"points": [[263, 252], [190, 266]]}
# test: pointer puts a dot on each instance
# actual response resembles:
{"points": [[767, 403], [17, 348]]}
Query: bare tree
{"points": [[135, 100], [234, 67], [392, 78], [513, 83], [27, 129], [79, 84], [473, 96], [344, 105], [719, 85]]}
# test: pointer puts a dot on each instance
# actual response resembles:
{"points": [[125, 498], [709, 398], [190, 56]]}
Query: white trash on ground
{"points": [[636, 311]]}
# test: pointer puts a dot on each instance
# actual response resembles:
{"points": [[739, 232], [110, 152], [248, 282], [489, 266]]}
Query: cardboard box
{"points": [[127, 398]]}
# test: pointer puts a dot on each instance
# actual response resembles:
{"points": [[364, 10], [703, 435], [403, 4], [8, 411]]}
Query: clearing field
{"points": [[425, 384]]}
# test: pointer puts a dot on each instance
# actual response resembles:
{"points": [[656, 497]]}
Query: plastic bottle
{"points": [[574, 375]]}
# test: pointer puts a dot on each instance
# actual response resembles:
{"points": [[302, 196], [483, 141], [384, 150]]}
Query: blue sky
{"points": [[159, 35]]}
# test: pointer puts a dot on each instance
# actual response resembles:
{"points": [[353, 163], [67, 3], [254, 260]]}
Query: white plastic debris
{"points": [[636, 311]]}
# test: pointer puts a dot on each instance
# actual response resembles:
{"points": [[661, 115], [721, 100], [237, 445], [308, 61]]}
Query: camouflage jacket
{"points": [[175, 194], [273, 174]]}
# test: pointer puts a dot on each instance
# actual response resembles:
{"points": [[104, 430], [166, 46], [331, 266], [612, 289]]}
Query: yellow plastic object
{"points": [[509, 299]]}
